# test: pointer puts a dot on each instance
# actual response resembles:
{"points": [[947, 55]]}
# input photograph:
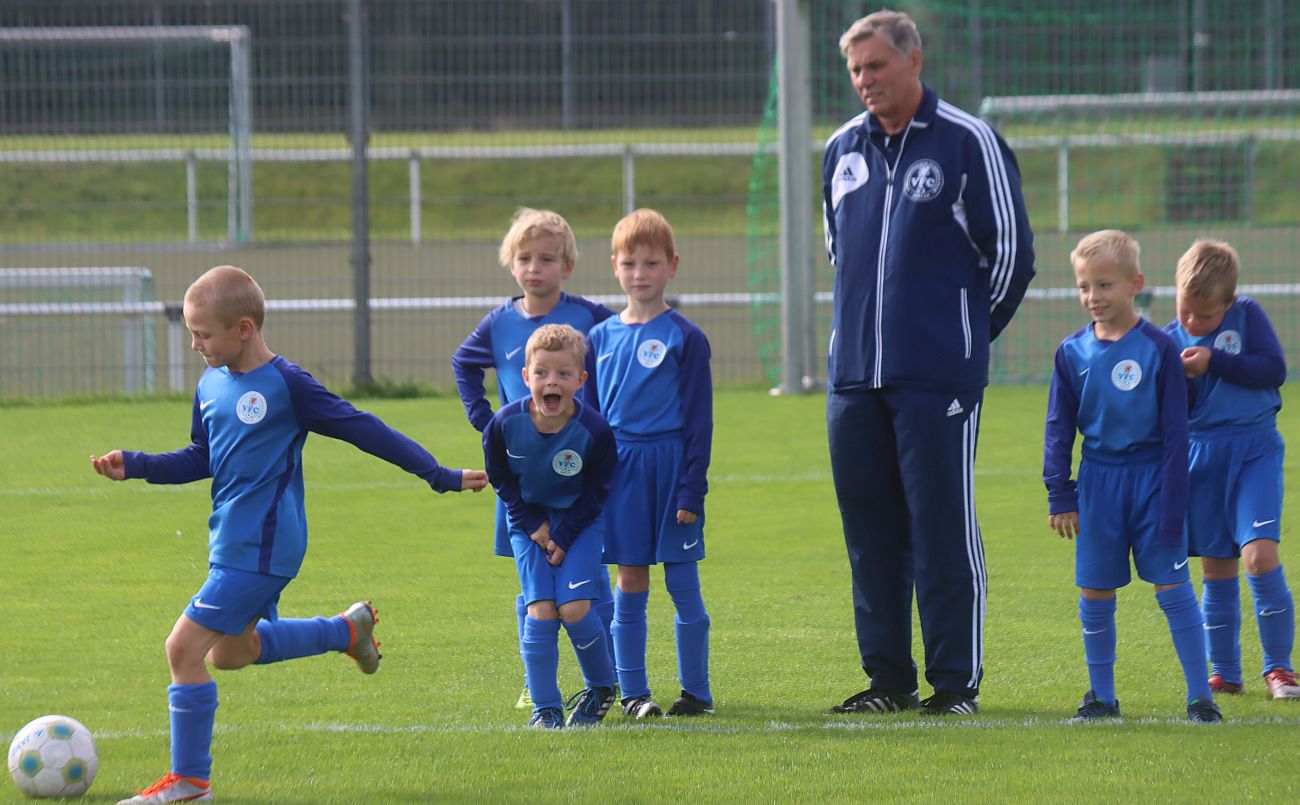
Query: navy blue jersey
{"points": [[246, 434], [653, 380], [1129, 400], [560, 478], [931, 245], [1246, 370], [498, 343]]}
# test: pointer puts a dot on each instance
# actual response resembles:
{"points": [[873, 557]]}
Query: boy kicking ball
{"points": [[252, 413]]}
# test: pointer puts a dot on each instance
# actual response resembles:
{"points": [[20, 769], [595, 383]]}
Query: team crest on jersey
{"points": [[651, 353], [850, 174], [251, 407], [567, 462], [1229, 341], [923, 180], [1126, 375]]}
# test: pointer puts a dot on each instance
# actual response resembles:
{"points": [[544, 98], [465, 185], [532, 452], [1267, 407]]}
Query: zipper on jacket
{"points": [[877, 379]]}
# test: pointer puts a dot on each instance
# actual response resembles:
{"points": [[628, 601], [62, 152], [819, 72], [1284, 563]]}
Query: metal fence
{"points": [[129, 152]]}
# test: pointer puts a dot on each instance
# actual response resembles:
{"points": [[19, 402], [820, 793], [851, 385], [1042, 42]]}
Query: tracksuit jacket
{"points": [[931, 245]]}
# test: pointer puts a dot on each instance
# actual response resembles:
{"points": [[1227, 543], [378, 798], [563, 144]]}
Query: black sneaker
{"points": [[589, 706], [688, 705], [872, 700], [947, 703], [1203, 711], [641, 707], [1093, 708]]}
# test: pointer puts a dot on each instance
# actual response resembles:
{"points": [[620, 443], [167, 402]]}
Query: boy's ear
{"points": [[1139, 281], [247, 327], [583, 381], [524, 372]]}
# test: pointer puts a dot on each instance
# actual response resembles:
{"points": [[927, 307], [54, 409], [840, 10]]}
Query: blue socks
{"points": [[691, 627], [1221, 609], [1275, 615], [541, 661], [193, 710], [629, 633], [521, 614], [588, 638], [1098, 619], [1187, 629], [290, 638], [604, 607]]}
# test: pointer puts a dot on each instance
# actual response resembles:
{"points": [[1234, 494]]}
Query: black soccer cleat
{"points": [[688, 705], [1203, 711], [947, 703], [1092, 709], [641, 707], [873, 700]]}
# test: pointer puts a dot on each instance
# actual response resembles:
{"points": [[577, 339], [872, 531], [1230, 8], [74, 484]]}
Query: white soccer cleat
{"points": [[1282, 684], [172, 787]]}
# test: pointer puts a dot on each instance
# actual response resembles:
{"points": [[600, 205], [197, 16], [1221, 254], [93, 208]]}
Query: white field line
{"points": [[712, 727]]}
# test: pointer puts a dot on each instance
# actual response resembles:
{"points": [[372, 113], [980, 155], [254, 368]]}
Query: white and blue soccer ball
{"points": [[53, 756]]}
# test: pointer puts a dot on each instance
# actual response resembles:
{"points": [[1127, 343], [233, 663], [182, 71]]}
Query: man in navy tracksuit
{"points": [[926, 227]]}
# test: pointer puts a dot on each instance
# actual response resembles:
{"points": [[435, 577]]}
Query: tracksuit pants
{"points": [[903, 466]]}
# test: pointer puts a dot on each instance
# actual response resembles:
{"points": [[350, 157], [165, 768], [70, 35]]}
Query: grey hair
{"points": [[898, 28]]}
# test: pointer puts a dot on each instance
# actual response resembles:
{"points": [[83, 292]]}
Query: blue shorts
{"points": [[501, 540], [1236, 491], [641, 511], [1119, 512], [231, 600], [578, 577]]}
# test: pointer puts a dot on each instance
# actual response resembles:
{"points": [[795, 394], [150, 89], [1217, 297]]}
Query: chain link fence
{"points": [[217, 132]]}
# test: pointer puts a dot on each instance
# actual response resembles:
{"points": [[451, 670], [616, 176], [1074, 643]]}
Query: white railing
{"points": [[628, 153]]}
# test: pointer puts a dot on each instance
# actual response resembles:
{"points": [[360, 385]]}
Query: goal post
{"points": [[40, 292], [35, 64]]}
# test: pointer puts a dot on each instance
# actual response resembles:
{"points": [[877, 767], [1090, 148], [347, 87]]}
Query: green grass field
{"points": [[96, 572]]}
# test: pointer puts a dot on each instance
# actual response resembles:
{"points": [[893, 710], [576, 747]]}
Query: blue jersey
{"points": [[653, 380], [1241, 388], [557, 478], [246, 434], [498, 343], [931, 245], [1129, 400]]}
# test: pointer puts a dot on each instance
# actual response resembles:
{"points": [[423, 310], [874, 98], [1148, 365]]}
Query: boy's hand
{"points": [[473, 480], [1066, 524], [686, 518], [554, 554], [1196, 361], [542, 536], [110, 465]]}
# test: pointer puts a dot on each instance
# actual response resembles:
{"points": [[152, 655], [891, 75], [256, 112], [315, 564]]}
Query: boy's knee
{"points": [[633, 578], [1260, 556], [542, 610], [574, 611]]}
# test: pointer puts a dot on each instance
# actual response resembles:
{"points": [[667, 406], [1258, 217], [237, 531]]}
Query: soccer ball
{"points": [[53, 756]]}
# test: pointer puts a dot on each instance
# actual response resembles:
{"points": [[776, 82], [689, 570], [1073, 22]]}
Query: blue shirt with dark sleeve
{"points": [[498, 343], [653, 380], [557, 478], [1241, 388], [247, 434], [1129, 400]]}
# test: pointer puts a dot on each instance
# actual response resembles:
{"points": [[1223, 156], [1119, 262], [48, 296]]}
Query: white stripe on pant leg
{"points": [[974, 546]]}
